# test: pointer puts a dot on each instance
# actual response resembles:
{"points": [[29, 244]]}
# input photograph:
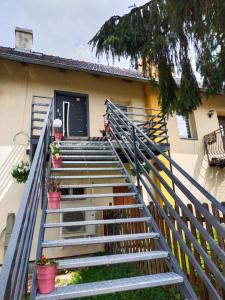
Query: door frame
{"points": [[74, 94]]}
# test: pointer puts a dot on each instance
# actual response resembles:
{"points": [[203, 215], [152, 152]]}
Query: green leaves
{"points": [[159, 35], [21, 172]]}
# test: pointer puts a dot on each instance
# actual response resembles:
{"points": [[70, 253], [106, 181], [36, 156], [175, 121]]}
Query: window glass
{"points": [[184, 126]]}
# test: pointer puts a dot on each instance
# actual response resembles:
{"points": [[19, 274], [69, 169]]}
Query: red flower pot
{"points": [[54, 199], [46, 278], [57, 162], [58, 136]]}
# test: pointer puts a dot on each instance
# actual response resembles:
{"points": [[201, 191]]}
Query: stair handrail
{"points": [[155, 146], [126, 136], [14, 273]]}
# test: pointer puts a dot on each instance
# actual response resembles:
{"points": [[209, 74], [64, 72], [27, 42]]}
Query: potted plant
{"points": [[57, 124], [20, 172], [46, 273], [54, 195], [56, 155]]}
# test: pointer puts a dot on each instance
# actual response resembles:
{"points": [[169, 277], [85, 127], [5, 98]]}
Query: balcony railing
{"points": [[214, 143], [151, 121]]}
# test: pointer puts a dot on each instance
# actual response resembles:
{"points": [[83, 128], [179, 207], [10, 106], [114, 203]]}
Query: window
{"points": [[77, 216], [185, 128], [73, 191], [73, 217]]}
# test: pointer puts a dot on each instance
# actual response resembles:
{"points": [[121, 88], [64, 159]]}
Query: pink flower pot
{"points": [[46, 278], [57, 162], [54, 199], [58, 136]]}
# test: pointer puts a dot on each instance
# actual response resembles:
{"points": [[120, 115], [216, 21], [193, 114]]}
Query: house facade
{"points": [[79, 90]]}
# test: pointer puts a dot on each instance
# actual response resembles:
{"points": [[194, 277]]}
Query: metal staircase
{"points": [[80, 154], [96, 165]]}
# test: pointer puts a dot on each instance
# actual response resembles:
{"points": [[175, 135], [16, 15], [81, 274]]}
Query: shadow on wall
{"points": [[10, 191], [14, 157], [215, 182], [211, 178]]}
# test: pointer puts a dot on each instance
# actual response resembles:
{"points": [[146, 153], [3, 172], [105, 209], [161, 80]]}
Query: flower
{"points": [[57, 123]]}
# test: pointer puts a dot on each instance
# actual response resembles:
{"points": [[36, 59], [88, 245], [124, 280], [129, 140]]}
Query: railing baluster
{"points": [[187, 230], [13, 275]]}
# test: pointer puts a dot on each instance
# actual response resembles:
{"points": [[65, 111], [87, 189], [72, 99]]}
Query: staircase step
{"points": [[40, 104], [99, 240], [67, 197], [110, 259], [97, 222], [95, 208], [38, 120], [94, 185], [83, 151], [40, 112], [84, 169], [89, 177], [112, 286], [89, 157], [78, 147], [37, 127], [86, 162]]}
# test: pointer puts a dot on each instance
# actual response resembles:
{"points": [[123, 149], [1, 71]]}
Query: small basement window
{"points": [[77, 216], [186, 126], [73, 191], [73, 217]]}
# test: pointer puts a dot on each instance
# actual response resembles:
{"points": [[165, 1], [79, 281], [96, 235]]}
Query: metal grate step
{"points": [[40, 104], [99, 240], [89, 157], [37, 127], [89, 177], [95, 208], [112, 286], [91, 162], [87, 147], [110, 259], [39, 112], [97, 222], [84, 169], [38, 119], [94, 185], [83, 151], [66, 197]]}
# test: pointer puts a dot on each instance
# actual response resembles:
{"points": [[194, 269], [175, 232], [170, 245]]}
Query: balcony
{"points": [[214, 144]]}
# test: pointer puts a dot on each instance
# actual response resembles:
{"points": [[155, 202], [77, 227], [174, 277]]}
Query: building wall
{"points": [[189, 153], [18, 83]]}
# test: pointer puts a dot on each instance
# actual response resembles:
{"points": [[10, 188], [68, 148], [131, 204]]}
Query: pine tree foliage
{"points": [[163, 35]]}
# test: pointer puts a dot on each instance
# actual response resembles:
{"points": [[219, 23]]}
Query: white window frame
{"points": [[188, 130]]}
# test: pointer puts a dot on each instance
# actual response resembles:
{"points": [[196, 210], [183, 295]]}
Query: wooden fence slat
{"points": [[182, 254], [202, 289], [190, 272]]}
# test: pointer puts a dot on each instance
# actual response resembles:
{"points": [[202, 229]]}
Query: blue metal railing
{"points": [[14, 273], [135, 144]]}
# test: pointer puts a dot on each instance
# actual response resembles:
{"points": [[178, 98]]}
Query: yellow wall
{"points": [[189, 153], [151, 101]]}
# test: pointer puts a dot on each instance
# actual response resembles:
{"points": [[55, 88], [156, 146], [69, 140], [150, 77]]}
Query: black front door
{"points": [[72, 109]]}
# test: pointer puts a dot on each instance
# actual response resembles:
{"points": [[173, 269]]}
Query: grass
{"points": [[119, 271]]}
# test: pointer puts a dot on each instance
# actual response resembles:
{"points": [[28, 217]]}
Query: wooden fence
{"points": [[152, 267]]}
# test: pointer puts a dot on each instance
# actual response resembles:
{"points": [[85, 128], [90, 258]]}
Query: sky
{"points": [[61, 27]]}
